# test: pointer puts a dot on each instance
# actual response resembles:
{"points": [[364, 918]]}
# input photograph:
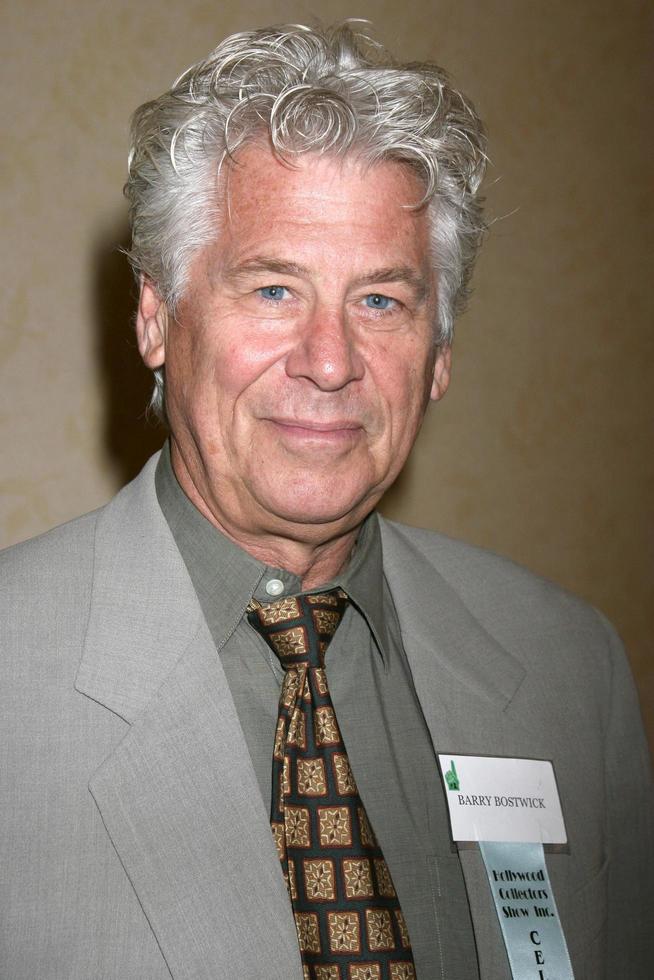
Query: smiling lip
{"points": [[320, 431]]}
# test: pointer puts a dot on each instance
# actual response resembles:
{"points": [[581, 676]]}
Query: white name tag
{"points": [[499, 799]]}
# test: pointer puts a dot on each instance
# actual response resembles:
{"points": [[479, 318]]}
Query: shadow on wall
{"points": [[129, 436]]}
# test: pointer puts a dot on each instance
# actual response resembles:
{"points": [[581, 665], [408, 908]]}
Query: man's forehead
{"points": [[332, 171], [316, 200]]}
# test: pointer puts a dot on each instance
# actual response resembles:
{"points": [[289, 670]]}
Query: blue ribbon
{"points": [[527, 912]]}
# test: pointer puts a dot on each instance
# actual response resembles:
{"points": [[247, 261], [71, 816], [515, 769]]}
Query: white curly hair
{"points": [[327, 90]]}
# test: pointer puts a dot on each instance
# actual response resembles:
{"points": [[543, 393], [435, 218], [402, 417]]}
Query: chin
{"points": [[319, 516], [320, 508]]}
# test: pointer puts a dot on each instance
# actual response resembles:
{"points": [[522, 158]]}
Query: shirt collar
{"points": [[226, 577]]}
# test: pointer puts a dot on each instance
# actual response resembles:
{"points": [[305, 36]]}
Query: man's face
{"points": [[302, 357]]}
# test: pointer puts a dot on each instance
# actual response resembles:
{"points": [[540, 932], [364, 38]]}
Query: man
{"points": [[305, 220]]}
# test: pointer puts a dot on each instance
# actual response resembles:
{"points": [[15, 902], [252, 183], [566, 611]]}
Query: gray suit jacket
{"points": [[134, 841]]}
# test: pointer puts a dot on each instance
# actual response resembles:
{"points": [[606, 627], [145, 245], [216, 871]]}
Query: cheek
{"points": [[215, 367], [241, 355], [407, 410], [402, 384]]}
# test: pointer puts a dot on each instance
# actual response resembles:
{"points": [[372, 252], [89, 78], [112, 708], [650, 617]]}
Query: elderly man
{"points": [[238, 643]]}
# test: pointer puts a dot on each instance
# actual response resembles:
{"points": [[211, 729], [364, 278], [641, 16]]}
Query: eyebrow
{"points": [[393, 273], [398, 273], [263, 263]]}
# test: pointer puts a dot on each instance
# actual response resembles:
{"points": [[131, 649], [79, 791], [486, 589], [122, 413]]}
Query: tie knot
{"points": [[298, 628]]}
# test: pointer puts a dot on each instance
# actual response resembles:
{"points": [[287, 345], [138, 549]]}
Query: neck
{"points": [[310, 552]]}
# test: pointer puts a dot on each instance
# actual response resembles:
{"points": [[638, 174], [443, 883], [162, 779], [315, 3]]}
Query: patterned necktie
{"points": [[348, 917]]}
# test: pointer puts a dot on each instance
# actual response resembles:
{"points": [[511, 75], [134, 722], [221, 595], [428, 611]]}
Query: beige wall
{"points": [[542, 449]]}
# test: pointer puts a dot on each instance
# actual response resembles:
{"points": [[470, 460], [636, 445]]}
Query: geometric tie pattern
{"points": [[348, 918]]}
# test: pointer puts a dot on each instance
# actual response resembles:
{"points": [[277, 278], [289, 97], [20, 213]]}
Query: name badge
{"points": [[497, 799], [511, 807]]}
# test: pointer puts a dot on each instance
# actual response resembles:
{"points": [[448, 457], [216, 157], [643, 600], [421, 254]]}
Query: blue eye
{"points": [[377, 301], [272, 292]]}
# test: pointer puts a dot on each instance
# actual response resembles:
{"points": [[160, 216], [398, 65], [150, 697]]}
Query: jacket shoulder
{"points": [[66, 552], [62, 550], [45, 588], [488, 582]]}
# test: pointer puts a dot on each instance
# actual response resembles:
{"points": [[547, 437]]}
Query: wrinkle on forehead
{"points": [[290, 216], [339, 165]]}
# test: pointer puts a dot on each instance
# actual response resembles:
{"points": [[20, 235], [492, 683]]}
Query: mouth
{"points": [[336, 432]]}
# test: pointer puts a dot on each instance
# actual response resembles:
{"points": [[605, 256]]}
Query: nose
{"points": [[325, 351]]}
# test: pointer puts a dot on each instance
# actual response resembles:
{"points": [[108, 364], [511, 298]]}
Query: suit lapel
{"points": [[464, 679], [465, 682], [178, 796]]}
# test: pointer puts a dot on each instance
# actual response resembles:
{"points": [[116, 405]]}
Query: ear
{"points": [[151, 324], [442, 370]]}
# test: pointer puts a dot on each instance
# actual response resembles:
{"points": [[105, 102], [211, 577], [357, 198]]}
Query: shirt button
{"points": [[274, 586]]}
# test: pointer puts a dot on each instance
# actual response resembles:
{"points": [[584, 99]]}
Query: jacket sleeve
{"points": [[629, 829]]}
